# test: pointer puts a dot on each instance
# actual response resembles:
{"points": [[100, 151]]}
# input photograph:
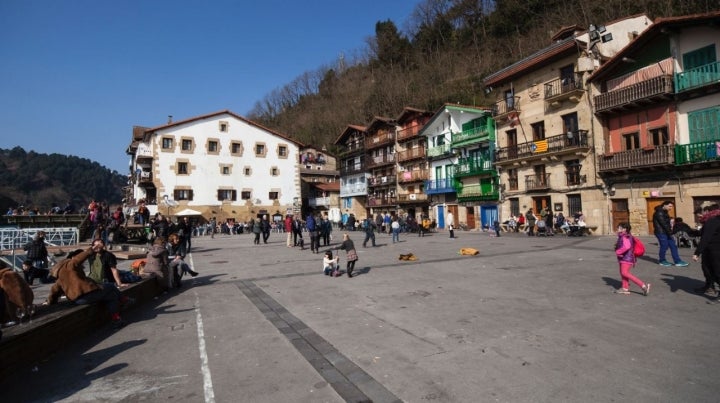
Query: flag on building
{"points": [[541, 146], [514, 119]]}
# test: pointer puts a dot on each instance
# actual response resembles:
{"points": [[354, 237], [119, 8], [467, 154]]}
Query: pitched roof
{"points": [[328, 186], [409, 112], [456, 107], [350, 129], [224, 112], [661, 26]]}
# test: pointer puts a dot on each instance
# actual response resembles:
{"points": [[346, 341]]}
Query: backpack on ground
{"points": [[638, 247]]}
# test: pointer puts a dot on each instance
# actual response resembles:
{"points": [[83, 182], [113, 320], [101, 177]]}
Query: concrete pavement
{"points": [[527, 320]]}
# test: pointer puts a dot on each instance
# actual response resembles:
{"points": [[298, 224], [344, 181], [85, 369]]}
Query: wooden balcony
{"points": [[408, 133], [411, 198], [637, 159], [413, 176], [411, 154], [473, 167], [381, 138], [564, 89], [502, 109], [382, 201], [352, 169], [537, 182], [656, 89], [355, 189], [439, 151], [697, 153], [382, 180], [380, 160], [319, 202], [569, 143], [357, 147]]}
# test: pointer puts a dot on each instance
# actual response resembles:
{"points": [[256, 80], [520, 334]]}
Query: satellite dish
{"points": [[171, 203]]}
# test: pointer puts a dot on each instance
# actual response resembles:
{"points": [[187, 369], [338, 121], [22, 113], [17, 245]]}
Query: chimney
{"points": [[169, 119]]}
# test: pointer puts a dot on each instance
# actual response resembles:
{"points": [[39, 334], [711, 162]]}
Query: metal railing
{"points": [[697, 77], [537, 182], [560, 143], [563, 86], [692, 153], [435, 186]]}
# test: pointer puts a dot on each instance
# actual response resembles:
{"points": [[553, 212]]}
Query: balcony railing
{"points": [[439, 151], [504, 107], [637, 158], [319, 202], [556, 144], [382, 201], [436, 186], [413, 176], [697, 77], [380, 160], [660, 87], [352, 169], [694, 153], [353, 148], [563, 88], [145, 176], [408, 132], [378, 139], [411, 153], [537, 182], [513, 184], [478, 192], [353, 190], [471, 136], [382, 180], [473, 166], [412, 197]]}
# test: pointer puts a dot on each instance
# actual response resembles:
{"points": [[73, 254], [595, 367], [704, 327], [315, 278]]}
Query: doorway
{"points": [[470, 217], [619, 212], [488, 214], [441, 216], [454, 210], [651, 204], [540, 202]]}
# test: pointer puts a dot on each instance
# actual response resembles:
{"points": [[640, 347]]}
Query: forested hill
{"points": [[37, 180], [441, 54]]}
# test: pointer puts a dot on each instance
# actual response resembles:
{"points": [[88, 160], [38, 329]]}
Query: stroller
{"points": [[542, 229], [684, 240]]}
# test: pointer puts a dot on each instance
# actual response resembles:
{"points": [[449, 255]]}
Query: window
{"points": [[274, 171], [515, 206], [273, 195], [246, 194], [512, 179], [282, 151], [182, 168], [212, 146], [223, 126], [704, 125], [659, 136], [538, 130], [247, 171], [236, 148], [186, 145], [631, 141], [572, 172], [183, 194], [574, 204], [167, 143], [227, 194], [260, 150], [225, 170]]}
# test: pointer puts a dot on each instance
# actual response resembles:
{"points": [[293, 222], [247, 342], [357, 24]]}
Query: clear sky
{"points": [[77, 75]]}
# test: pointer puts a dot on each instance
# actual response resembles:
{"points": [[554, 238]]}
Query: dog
{"points": [[17, 294]]}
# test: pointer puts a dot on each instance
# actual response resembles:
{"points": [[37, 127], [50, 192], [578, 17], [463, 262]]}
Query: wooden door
{"points": [[620, 213], [470, 217], [454, 210], [651, 204]]}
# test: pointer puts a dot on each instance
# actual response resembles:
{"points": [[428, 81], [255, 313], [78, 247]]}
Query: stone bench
{"points": [[24, 346]]}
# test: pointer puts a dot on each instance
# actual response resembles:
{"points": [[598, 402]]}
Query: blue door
{"points": [[488, 215], [441, 216]]}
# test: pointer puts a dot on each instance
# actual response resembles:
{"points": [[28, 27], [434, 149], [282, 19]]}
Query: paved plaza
{"points": [[526, 320]]}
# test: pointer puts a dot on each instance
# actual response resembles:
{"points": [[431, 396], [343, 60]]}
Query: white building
{"points": [[216, 165]]}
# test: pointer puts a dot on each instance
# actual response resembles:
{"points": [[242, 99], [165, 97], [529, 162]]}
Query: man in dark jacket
{"points": [[36, 251], [664, 235]]}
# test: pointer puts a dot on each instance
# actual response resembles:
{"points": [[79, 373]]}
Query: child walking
{"points": [[349, 247], [624, 249]]}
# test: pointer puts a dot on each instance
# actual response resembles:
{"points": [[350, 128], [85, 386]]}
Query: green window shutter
{"points": [[699, 57], [704, 125]]}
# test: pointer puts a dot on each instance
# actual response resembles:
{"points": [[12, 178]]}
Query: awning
{"points": [[188, 211]]}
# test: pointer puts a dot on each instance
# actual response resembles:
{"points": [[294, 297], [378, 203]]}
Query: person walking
{"points": [[663, 233], [297, 231], [36, 251], [288, 224], [395, 228], [451, 224], [709, 248], [369, 228], [624, 250], [530, 219], [311, 226], [351, 254], [256, 229], [265, 226]]}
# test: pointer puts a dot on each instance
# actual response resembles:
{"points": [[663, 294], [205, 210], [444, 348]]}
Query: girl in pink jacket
{"points": [[626, 259]]}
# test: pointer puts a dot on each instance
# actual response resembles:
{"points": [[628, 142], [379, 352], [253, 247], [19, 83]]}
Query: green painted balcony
{"points": [[439, 151], [477, 192], [697, 153], [705, 75], [474, 135], [473, 167]]}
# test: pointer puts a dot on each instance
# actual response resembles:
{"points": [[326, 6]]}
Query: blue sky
{"points": [[77, 75]]}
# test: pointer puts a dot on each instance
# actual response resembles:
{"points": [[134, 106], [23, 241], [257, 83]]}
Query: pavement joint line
{"points": [[311, 346]]}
